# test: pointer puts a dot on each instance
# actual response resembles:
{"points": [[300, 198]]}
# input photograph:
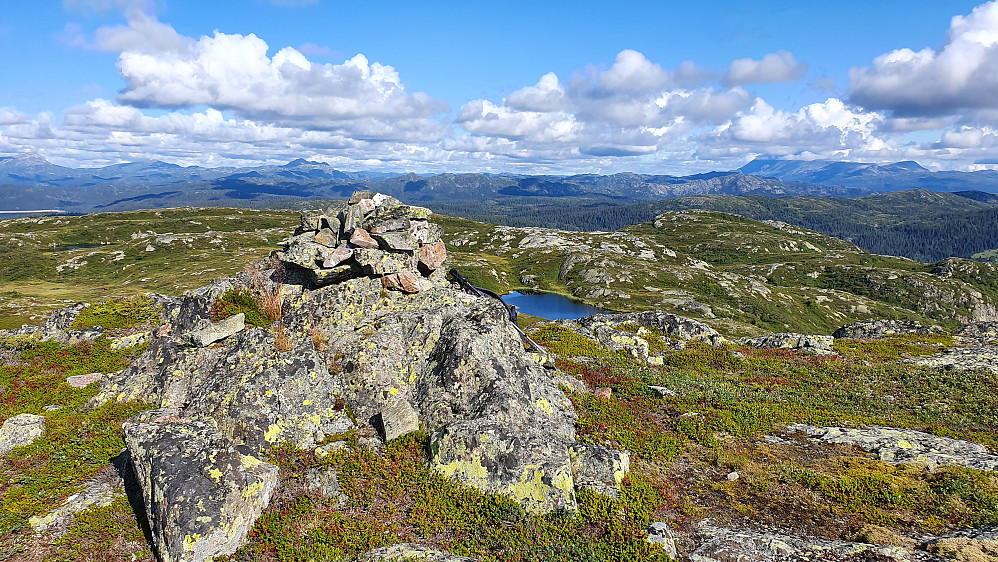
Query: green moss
{"points": [[396, 498], [235, 301], [77, 443], [117, 314], [102, 532]]}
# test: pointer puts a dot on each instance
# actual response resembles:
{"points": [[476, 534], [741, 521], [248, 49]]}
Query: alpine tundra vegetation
{"points": [[194, 384]]}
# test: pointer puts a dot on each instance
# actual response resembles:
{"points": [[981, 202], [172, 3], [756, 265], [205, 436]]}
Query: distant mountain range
{"points": [[31, 182], [872, 177]]}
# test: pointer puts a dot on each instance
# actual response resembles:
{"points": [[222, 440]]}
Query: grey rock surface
{"points": [[410, 552], [874, 329], [905, 445], [201, 494], [661, 534], [667, 323], [217, 331], [727, 545], [983, 357], [20, 430], [823, 345]]}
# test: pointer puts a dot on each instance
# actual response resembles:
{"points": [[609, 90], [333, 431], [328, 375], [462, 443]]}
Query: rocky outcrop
{"points": [[800, 342], [982, 332], [20, 430], [373, 234], [644, 335], [874, 329], [670, 324], [201, 494], [352, 351], [725, 545], [905, 445], [984, 357], [98, 492]]}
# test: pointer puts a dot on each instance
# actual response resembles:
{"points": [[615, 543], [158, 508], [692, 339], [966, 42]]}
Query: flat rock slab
{"points": [[724, 545], [905, 445], [984, 357], [201, 494], [410, 552], [81, 381], [217, 331], [95, 494], [20, 430]]}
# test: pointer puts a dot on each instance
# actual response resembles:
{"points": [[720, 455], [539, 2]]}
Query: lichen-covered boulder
{"points": [[20, 430], [496, 418], [201, 494], [875, 329], [665, 322], [799, 342]]}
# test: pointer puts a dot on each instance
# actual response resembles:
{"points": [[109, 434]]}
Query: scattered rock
{"points": [[81, 381], [732, 476], [661, 534], [217, 331], [201, 494], [361, 239], [905, 445], [875, 329], [410, 552], [603, 392], [983, 357], [324, 482], [808, 343], [399, 418], [20, 430], [599, 468], [96, 493], [661, 391]]}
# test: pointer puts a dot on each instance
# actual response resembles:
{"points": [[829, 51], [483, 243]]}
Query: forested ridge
{"points": [[917, 224]]}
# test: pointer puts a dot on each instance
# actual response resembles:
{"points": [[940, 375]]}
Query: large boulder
{"points": [[201, 493], [354, 352], [20, 430], [670, 324]]}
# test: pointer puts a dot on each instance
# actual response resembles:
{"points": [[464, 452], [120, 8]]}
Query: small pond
{"points": [[552, 307]]}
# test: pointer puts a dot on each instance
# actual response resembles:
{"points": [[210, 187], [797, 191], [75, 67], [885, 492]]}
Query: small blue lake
{"points": [[552, 307]]}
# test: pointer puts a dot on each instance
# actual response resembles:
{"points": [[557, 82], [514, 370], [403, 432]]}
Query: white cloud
{"points": [[232, 72], [774, 67], [9, 116], [962, 74], [547, 95]]}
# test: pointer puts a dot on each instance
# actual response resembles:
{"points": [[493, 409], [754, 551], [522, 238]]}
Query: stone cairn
{"points": [[372, 235]]}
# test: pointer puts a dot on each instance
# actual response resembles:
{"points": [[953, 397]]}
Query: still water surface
{"points": [[552, 307]]}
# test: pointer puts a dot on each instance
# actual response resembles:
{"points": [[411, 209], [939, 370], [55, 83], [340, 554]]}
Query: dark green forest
{"points": [[917, 224]]}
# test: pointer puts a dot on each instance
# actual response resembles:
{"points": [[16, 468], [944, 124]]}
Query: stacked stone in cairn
{"points": [[373, 235]]}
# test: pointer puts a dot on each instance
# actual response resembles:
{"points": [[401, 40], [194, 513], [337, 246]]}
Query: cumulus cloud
{"points": [[780, 66], [233, 72], [10, 117], [828, 128], [961, 74]]}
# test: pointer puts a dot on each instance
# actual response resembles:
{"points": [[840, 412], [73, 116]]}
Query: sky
{"points": [[502, 87]]}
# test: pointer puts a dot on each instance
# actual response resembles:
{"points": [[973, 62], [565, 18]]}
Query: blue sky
{"points": [[663, 87]]}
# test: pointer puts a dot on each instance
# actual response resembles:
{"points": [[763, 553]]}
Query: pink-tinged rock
{"points": [[366, 205], [405, 281], [80, 381], [337, 256], [433, 255], [603, 392], [362, 239], [163, 330]]}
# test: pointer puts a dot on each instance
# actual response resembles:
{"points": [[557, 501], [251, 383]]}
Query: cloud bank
{"points": [[233, 99]]}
